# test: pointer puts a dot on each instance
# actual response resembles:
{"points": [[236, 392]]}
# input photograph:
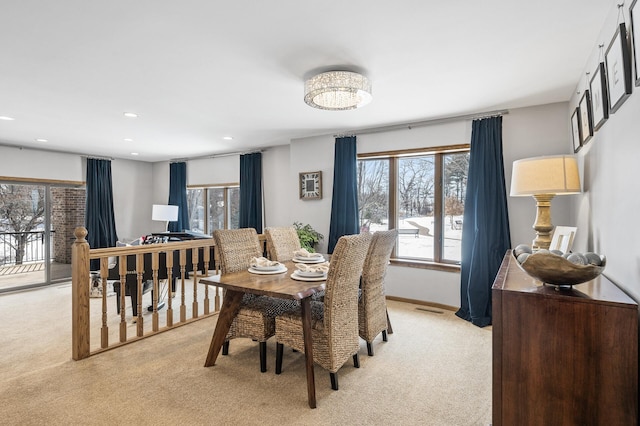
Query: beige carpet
{"points": [[434, 370]]}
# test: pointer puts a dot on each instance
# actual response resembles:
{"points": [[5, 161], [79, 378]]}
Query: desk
{"points": [[277, 285]]}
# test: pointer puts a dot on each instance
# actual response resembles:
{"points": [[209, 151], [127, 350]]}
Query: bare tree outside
{"points": [[373, 192], [21, 211]]}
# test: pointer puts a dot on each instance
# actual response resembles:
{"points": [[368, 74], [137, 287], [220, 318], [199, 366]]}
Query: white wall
{"points": [[132, 182], [607, 209]]}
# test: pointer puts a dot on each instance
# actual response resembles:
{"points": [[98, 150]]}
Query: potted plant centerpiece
{"points": [[308, 236]]}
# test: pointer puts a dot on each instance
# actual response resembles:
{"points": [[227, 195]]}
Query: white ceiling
{"points": [[198, 70]]}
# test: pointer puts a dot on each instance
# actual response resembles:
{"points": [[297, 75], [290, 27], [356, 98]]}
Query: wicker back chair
{"points": [[334, 320], [372, 306], [256, 317], [282, 243]]}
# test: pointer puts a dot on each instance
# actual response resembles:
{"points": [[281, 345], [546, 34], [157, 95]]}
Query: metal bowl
{"points": [[556, 270]]}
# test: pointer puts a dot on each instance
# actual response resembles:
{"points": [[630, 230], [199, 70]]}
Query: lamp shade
{"points": [[555, 174], [164, 213]]}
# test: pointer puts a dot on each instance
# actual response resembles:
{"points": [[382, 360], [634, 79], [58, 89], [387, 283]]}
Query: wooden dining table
{"points": [[280, 285]]}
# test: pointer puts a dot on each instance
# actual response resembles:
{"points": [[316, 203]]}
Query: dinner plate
{"points": [[310, 274], [260, 272], [268, 268], [309, 259], [295, 276]]}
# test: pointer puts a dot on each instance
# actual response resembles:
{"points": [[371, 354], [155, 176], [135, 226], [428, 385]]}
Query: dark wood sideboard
{"points": [[563, 357]]}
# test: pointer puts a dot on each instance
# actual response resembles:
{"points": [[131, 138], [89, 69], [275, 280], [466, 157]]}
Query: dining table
{"points": [[277, 285]]}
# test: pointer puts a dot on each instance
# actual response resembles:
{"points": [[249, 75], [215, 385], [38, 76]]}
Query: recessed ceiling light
{"points": [[135, 153], [42, 140], [5, 118], [128, 140], [228, 138], [131, 115]]}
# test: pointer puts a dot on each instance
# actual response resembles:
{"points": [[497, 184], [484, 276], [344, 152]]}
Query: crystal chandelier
{"points": [[337, 90]]}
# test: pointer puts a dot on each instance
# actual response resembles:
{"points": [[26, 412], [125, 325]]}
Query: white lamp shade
{"points": [[164, 213], [555, 174]]}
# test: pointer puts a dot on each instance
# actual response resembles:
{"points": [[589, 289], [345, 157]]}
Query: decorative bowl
{"points": [[556, 270]]}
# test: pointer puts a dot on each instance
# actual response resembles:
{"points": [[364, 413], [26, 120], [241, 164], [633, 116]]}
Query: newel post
{"points": [[80, 295]]}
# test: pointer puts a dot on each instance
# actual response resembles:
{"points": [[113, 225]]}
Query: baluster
{"points": [[206, 252], [156, 289], [139, 272], [122, 271], [183, 306], [169, 262], [194, 259], [104, 331]]}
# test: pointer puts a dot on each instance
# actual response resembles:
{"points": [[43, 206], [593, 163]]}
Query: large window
{"points": [[419, 193], [213, 208]]}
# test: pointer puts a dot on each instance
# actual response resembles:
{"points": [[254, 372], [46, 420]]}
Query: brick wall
{"points": [[67, 213]]}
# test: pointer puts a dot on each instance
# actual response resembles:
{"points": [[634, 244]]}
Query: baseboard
{"points": [[422, 302]]}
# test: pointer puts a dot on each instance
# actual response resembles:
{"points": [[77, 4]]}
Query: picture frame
{"points": [[635, 39], [618, 66], [599, 98], [576, 129], [310, 185], [563, 238], [586, 120]]}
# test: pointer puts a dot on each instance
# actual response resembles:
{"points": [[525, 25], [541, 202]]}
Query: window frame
{"points": [[205, 197], [438, 263]]}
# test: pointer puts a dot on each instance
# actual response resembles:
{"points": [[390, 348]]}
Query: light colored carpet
{"points": [[434, 370]]}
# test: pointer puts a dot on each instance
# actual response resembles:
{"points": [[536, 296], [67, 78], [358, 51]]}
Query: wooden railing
{"points": [[112, 328]]}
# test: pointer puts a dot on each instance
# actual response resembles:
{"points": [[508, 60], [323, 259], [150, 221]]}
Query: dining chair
{"points": [[334, 321], [282, 242], [372, 306], [256, 317]]}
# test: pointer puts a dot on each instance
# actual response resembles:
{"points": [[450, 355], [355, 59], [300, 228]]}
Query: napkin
{"points": [[305, 253], [316, 267], [262, 262]]}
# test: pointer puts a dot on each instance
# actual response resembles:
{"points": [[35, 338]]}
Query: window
{"points": [[419, 193], [221, 210]]}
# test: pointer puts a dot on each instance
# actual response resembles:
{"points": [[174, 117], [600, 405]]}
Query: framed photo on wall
{"points": [[618, 69], [635, 38], [575, 130], [310, 185], [586, 122], [599, 99]]}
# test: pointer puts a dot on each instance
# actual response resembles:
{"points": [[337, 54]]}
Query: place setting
{"points": [[311, 272], [264, 266], [304, 256]]}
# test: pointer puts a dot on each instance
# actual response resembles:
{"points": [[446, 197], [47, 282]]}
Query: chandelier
{"points": [[337, 90]]}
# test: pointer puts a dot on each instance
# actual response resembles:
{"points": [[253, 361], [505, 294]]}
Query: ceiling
{"points": [[199, 70]]}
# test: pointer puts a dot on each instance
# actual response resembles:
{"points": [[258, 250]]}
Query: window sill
{"points": [[423, 264]]}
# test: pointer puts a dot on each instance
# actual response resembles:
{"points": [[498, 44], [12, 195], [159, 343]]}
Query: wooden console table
{"points": [[563, 357]]}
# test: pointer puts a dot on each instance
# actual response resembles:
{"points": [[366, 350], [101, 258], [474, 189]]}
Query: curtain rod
{"points": [[431, 122], [226, 154]]}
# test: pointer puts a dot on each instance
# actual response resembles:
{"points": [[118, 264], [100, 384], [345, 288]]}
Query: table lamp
{"points": [[164, 213], [544, 178]]}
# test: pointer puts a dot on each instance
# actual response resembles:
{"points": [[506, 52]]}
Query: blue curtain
{"points": [[99, 219], [344, 204], [485, 229], [251, 191], [178, 196]]}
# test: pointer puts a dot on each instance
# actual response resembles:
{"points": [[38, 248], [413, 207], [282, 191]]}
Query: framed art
{"points": [[635, 38], [563, 238], [575, 130], [586, 121], [310, 185], [618, 69], [599, 99]]}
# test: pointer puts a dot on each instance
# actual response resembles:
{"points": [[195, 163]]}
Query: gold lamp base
{"points": [[543, 224]]}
